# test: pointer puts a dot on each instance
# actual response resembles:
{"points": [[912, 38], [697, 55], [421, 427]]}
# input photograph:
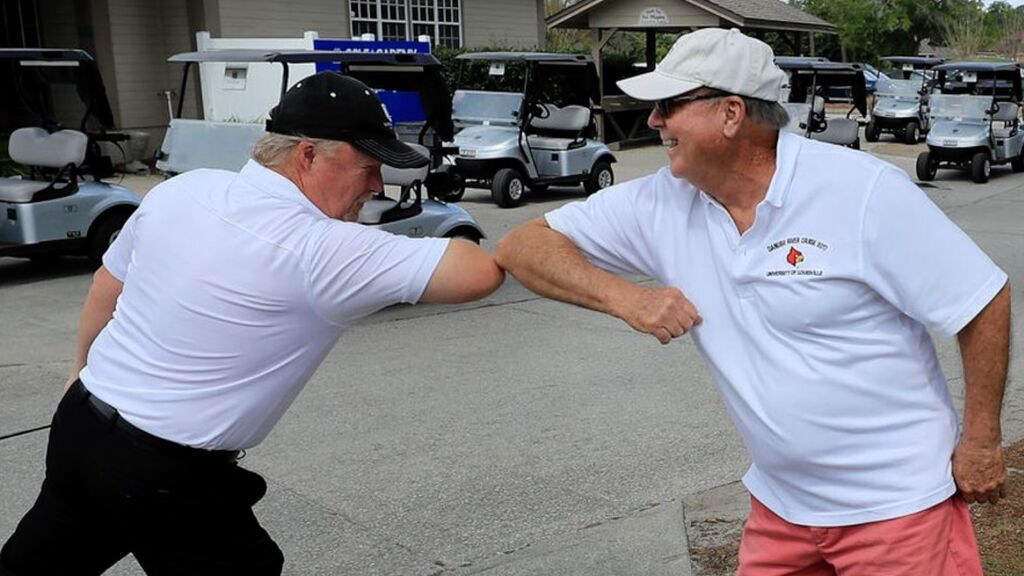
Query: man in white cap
{"points": [[215, 305], [812, 275]]}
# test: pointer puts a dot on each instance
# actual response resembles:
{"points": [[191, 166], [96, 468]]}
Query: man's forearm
{"points": [[549, 264], [96, 313], [985, 349]]}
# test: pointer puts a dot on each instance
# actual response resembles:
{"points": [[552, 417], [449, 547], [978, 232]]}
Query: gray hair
{"points": [[272, 149], [768, 114]]}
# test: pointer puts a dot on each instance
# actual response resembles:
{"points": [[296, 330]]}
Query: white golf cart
{"points": [[976, 121], [192, 143], [810, 81], [532, 135], [901, 104], [52, 210]]}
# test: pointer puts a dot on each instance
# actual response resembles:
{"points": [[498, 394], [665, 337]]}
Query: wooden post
{"points": [[650, 49], [810, 38], [598, 41]]}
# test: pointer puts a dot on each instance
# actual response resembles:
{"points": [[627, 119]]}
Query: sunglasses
{"points": [[664, 107]]}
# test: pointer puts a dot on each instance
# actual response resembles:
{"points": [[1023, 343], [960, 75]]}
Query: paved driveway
{"points": [[511, 436]]}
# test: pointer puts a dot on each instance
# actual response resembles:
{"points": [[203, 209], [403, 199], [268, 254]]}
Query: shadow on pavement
{"points": [[15, 271]]}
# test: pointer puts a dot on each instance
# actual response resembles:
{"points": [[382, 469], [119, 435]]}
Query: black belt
{"points": [[113, 418]]}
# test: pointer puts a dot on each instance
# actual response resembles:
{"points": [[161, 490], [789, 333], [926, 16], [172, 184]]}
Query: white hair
{"points": [[273, 149]]}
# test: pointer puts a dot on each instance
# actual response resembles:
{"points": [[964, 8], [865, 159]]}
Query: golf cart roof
{"points": [[819, 66], [921, 61], [789, 61], [34, 71], [543, 57], [306, 56], [979, 66], [45, 54]]}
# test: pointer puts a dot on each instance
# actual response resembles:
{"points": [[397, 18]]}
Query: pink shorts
{"points": [[938, 541]]}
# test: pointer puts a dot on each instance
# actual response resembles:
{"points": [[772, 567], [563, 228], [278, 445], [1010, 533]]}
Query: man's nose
{"points": [[654, 119]]}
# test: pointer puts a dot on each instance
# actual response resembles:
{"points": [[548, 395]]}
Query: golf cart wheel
{"points": [[926, 167], [103, 235], [446, 184], [872, 131], [600, 177], [508, 187], [453, 195], [981, 167], [1018, 163], [911, 133]]}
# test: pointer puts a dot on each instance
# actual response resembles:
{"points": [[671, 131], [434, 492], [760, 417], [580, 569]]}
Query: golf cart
{"points": [[191, 143], [53, 210], [977, 125], [901, 105], [534, 133], [809, 81]]}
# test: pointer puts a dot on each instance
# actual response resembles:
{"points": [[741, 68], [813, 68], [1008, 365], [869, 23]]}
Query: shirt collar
{"points": [[786, 150], [275, 184]]}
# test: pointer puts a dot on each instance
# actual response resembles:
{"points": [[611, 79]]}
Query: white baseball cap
{"points": [[726, 60]]}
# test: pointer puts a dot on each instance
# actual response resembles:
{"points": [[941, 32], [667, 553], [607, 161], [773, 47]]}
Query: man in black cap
{"points": [[219, 299]]}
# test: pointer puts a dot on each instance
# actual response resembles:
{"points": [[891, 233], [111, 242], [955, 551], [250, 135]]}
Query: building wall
{"points": [[276, 19], [143, 35], [504, 23]]}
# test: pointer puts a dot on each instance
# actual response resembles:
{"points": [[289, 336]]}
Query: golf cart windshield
{"points": [[899, 89], [487, 108], [960, 108]]}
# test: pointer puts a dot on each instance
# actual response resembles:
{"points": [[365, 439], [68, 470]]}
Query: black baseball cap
{"points": [[331, 106]]}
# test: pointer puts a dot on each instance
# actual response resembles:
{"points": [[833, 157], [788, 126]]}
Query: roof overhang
{"points": [[577, 16]]}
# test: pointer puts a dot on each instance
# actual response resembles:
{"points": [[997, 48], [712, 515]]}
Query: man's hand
{"points": [[661, 312], [979, 472]]}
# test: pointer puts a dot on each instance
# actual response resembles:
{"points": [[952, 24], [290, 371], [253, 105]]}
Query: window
{"points": [[441, 20]]}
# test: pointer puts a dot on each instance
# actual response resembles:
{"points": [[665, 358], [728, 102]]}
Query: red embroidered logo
{"points": [[794, 257]]}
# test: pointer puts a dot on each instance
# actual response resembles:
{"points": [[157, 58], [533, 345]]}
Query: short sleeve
{"points": [[119, 255], [920, 261], [606, 227], [354, 270]]}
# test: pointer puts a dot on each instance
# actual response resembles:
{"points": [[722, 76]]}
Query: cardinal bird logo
{"points": [[794, 257]]}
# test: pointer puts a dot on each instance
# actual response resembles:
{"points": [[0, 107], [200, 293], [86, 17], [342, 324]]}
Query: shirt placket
{"points": [[738, 247]]}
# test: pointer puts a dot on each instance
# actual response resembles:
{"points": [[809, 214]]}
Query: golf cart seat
{"points": [[63, 150], [561, 129], [798, 112], [381, 209], [1005, 120], [841, 131]]}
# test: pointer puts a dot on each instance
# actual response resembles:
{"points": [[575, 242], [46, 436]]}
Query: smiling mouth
{"points": [[670, 143]]}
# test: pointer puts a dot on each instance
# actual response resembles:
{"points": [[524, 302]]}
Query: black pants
{"points": [[111, 489]]}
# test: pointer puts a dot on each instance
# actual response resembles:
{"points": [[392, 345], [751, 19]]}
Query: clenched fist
{"points": [[664, 313]]}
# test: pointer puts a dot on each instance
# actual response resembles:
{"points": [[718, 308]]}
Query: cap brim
{"points": [[656, 86], [392, 152]]}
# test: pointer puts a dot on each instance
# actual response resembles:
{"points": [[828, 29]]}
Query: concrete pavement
{"points": [[511, 436]]}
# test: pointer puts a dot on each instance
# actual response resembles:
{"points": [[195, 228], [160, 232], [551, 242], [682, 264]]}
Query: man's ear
{"points": [[305, 152], [734, 111]]}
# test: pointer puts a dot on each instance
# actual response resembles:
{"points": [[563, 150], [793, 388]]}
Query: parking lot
{"points": [[510, 436]]}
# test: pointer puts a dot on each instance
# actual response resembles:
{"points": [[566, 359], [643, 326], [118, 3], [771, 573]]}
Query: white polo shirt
{"points": [[815, 321], [235, 289]]}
